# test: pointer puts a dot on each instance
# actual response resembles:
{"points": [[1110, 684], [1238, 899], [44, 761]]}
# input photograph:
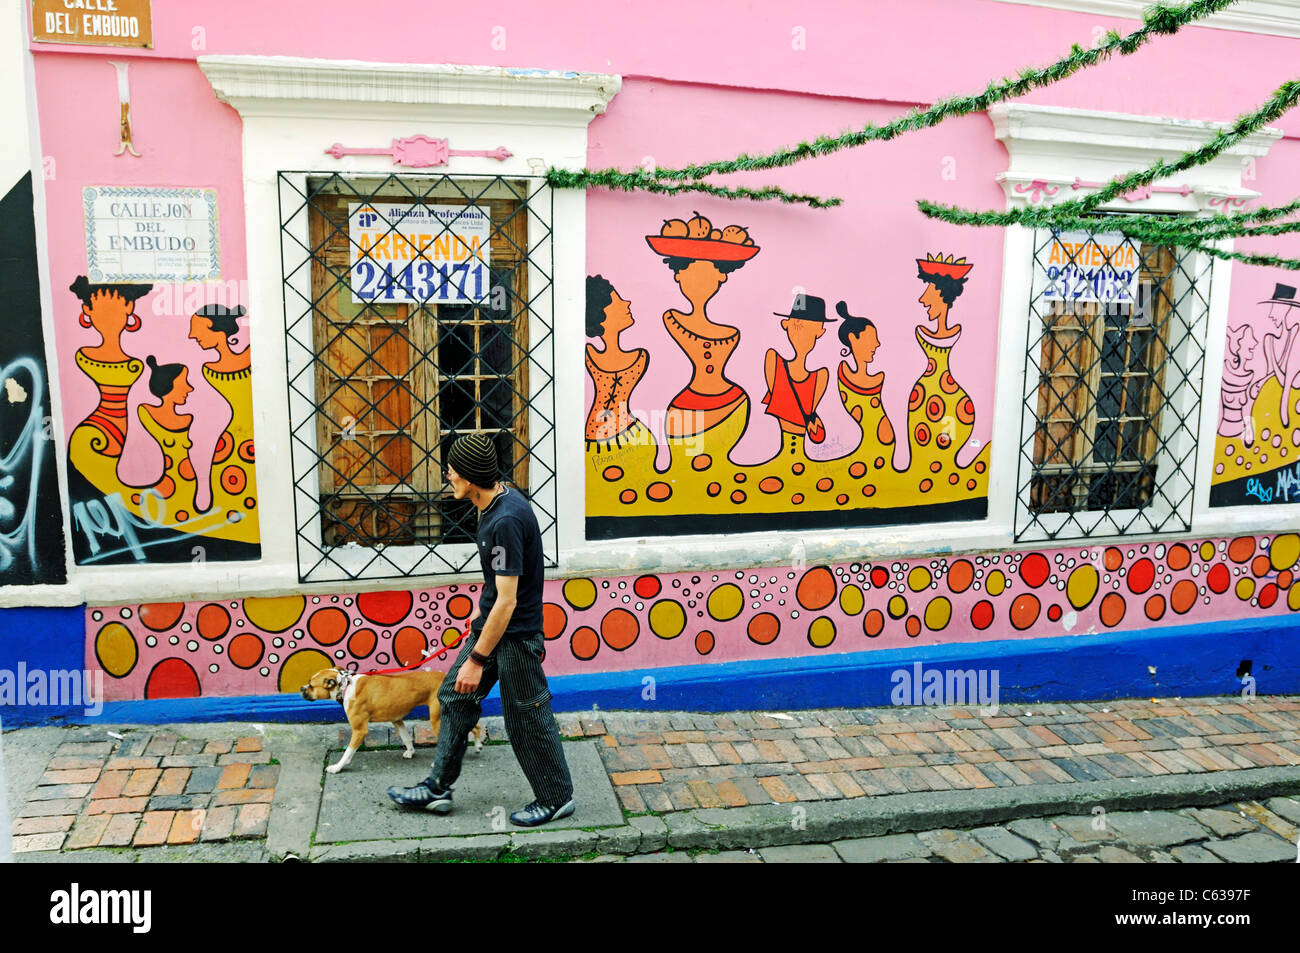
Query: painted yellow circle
{"points": [[667, 619], [1284, 551], [725, 602], [897, 607], [116, 649], [1293, 598], [1081, 587], [299, 667], [1245, 589], [851, 600], [580, 593], [995, 582], [938, 613], [1207, 551], [274, 615], [918, 579], [822, 632]]}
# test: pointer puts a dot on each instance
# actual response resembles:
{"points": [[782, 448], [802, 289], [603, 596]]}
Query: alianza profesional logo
{"points": [[935, 686], [77, 906], [59, 688]]}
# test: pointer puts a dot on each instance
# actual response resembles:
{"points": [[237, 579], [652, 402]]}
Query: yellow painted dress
{"points": [[96, 443], [940, 416], [876, 449], [234, 478], [177, 486]]}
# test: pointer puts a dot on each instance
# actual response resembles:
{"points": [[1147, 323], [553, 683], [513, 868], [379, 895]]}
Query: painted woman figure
{"points": [[214, 327], [613, 433], [171, 430], [941, 417], [1234, 418], [109, 310], [860, 390], [794, 391], [700, 258]]}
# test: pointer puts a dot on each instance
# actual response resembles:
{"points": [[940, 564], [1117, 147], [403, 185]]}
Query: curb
{"points": [[774, 825]]}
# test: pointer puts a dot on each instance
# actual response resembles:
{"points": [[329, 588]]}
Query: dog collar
{"points": [[341, 690]]}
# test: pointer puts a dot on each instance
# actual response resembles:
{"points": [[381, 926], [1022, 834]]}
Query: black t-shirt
{"points": [[510, 544]]}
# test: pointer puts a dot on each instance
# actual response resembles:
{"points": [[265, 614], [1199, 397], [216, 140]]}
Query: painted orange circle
{"points": [[926, 485], [947, 384], [922, 434], [182, 515], [1284, 579], [930, 367], [934, 408], [942, 441], [619, 629], [409, 644], [1184, 596], [918, 396], [857, 469], [763, 628], [362, 643], [714, 489], [966, 411], [912, 626], [1112, 609], [1261, 565], [842, 499], [880, 463], [825, 483], [869, 489], [233, 479], [1113, 558], [953, 478], [245, 650], [739, 476], [970, 484], [960, 575], [166, 487], [1155, 608], [213, 621], [554, 619], [770, 484], [1241, 549], [816, 589], [701, 461], [328, 626], [460, 606], [161, 616], [585, 643], [936, 466], [224, 447], [627, 496], [186, 469], [873, 623], [979, 466], [1178, 557], [738, 496], [796, 499], [1024, 610], [796, 468], [704, 642], [612, 474], [246, 451], [659, 491]]}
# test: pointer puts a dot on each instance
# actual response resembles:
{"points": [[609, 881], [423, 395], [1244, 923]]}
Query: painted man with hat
{"points": [[1281, 353], [505, 644], [793, 391]]}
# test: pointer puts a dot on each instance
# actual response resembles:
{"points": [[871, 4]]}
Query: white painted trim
{"points": [[1049, 148], [1272, 17]]}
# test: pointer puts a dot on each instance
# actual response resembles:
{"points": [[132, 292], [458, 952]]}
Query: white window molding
{"points": [[1052, 153], [292, 110], [1272, 17]]}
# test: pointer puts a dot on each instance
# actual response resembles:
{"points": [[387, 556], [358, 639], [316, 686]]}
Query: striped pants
{"points": [[525, 705]]}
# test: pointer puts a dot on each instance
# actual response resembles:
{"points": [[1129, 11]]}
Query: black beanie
{"points": [[474, 457]]}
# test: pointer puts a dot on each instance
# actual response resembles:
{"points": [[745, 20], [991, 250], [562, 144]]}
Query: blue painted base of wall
{"points": [[1188, 660]]}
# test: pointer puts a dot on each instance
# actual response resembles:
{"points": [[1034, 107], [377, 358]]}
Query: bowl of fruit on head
{"points": [[696, 238]]}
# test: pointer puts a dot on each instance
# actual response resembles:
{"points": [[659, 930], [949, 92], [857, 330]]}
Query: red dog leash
{"points": [[418, 662]]}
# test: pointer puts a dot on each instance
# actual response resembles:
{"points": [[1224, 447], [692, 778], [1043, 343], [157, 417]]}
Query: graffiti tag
{"points": [[109, 517], [27, 452]]}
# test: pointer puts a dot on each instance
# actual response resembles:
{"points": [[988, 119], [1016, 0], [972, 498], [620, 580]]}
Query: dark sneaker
{"points": [[538, 813], [423, 795]]}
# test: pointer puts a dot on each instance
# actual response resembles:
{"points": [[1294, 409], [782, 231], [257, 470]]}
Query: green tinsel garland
{"points": [[1159, 19]]}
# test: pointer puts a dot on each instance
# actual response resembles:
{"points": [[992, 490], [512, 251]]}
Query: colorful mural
{"points": [[647, 461], [1256, 459], [146, 491], [31, 524], [265, 645]]}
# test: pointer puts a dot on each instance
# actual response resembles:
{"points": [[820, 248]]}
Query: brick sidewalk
{"points": [[148, 789], [664, 763]]}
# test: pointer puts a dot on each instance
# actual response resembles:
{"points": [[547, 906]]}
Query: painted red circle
{"points": [[1034, 570], [981, 614], [460, 606], [213, 621], [1141, 575], [1267, 596], [173, 678], [647, 587], [385, 608], [1219, 578]]}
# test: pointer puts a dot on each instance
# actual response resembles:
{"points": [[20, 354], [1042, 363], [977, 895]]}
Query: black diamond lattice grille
{"points": [[393, 354], [1112, 395]]}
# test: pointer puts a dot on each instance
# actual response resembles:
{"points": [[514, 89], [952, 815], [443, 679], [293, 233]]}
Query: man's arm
{"points": [[467, 679]]}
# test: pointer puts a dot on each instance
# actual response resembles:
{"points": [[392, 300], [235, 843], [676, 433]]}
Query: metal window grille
{"points": [[380, 387], [1112, 392]]}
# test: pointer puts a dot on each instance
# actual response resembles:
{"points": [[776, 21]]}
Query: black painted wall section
{"points": [[31, 527]]}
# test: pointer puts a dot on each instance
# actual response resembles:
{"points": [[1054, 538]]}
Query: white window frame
{"points": [[1050, 149]]}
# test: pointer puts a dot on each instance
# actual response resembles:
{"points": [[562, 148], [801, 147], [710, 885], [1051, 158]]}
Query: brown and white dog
{"points": [[368, 698]]}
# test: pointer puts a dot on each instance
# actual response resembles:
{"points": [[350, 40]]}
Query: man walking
{"points": [[504, 644]]}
